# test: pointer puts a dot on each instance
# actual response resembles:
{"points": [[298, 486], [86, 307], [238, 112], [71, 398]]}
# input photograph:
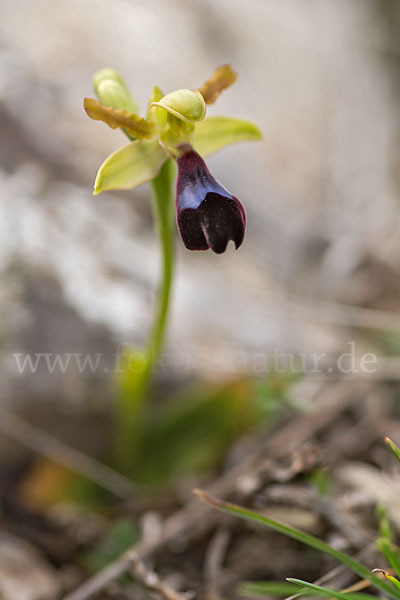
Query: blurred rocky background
{"points": [[321, 257], [322, 190], [319, 269]]}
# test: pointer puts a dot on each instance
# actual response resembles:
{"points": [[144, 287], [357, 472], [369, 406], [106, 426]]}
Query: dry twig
{"points": [[47, 445], [197, 516], [151, 580], [213, 562]]}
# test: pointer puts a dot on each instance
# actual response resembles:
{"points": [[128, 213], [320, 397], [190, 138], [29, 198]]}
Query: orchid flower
{"points": [[175, 128], [208, 216]]}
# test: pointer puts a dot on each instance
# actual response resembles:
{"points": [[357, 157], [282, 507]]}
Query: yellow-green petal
{"points": [[130, 166], [187, 105], [112, 91], [215, 133], [155, 113]]}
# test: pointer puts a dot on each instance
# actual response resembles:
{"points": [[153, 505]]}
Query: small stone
{"points": [[24, 573]]}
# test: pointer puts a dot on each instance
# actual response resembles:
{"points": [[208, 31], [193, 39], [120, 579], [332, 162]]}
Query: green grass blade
{"points": [[305, 538], [392, 446], [269, 588], [390, 552], [322, 591], [385, 528], [393, 580]]}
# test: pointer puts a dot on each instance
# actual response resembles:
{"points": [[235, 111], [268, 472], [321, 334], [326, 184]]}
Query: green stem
{"points": [[163, 210], [136, 376]]}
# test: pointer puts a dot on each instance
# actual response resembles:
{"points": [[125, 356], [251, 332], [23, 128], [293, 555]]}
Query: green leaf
{"points": [[215, 133], [130, 166], [305, 538], [326, 592]]}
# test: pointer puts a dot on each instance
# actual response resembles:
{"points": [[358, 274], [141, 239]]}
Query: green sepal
{"points": [[130, 166], [111, 90], [187, 105], [215, 133]]}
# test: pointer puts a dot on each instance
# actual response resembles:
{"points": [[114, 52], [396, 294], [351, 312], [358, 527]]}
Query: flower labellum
{"points": [[208, 215]]}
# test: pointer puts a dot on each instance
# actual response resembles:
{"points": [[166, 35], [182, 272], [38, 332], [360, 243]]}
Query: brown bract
{"points": [[222, 78], [134, 125]]}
